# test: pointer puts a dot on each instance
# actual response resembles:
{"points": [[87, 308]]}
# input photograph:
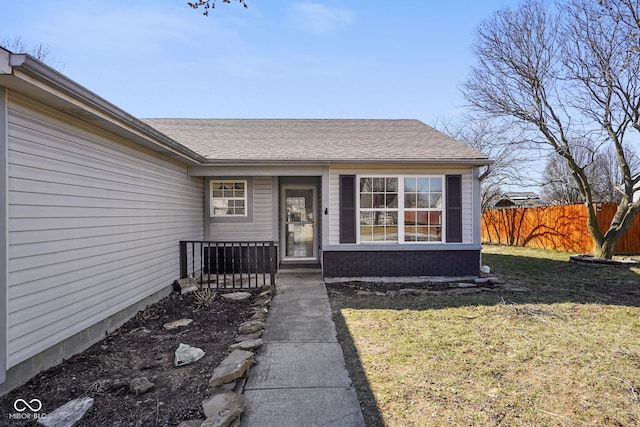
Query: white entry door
{"points": [[299, 223]]}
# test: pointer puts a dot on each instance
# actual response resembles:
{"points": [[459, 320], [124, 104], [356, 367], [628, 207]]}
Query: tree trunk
{"points": [[605, 249]]}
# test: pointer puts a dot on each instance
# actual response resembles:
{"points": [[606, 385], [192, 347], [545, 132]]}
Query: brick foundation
{"points": [[400, 263]]}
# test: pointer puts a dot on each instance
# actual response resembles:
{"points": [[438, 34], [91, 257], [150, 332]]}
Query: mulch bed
{"points": [[140, 348]]}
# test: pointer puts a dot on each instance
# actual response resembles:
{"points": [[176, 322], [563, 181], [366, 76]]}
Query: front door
{"points": [[299, 223]]}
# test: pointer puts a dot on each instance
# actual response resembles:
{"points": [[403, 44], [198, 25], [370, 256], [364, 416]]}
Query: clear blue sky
{"points": [[276, 59]]}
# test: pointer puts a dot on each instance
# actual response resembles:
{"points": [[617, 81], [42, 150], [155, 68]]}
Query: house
{"points": [[518, 199], [97, 201]]}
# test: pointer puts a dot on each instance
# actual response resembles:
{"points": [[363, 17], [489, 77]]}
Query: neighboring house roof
{"points": [[317, 140], [522, 198]]}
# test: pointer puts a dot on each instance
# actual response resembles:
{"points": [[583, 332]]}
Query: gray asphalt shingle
{"points": [[322, 140]]}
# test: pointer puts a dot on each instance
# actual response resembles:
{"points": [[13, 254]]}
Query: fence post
{"points": [[183, 259]]}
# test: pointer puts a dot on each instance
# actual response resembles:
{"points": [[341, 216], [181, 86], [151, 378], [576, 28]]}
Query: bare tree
{"points": [[16, 44], [571, 73], [600, 167], [210, 4], [496, 140]]}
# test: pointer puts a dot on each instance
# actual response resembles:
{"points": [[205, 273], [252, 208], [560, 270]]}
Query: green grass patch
{"points": [[566, 353]]}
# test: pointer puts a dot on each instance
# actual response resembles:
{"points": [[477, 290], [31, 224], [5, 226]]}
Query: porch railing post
{"points": [[272, 263], [183, 259]]}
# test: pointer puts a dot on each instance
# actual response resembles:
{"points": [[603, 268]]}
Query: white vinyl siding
{"points": [[260, 226], [467, 195], [93, 225]]}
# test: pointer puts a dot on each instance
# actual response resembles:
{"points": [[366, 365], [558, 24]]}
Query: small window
{"points": [[228, 198]]}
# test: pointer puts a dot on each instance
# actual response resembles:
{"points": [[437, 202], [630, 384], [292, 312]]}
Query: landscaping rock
{"points": [[223, 388], [250, 326], [232, 367], [258, 315], [252, 336], [68, 414], [246, 345], [184, 286], [141, 385], [222, 409], [467, 285], [177, 324], [237, 296], [485, 269], [496, 281], [261, 302], [185, 355], [481, 280]]}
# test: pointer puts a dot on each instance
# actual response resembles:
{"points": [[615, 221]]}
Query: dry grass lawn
{"points": [[566, 353]]}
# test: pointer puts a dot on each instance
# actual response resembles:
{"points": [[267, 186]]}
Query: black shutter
{"points": [[454, 208], [347, 209]]}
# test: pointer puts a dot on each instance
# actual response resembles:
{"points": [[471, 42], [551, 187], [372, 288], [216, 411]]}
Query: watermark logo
{"points": [[27, 410]]}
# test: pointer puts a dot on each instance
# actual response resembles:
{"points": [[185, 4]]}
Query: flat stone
{"points": [[222, 409], [185, 355], [237, 296], [141, 385], [481, 280], [69, 414], [246, 345], [265, 293], [496, 281], [381, 294], [250, 326], [252, 336], [232, 367], [261, 302], [177, 324], [258, 315], [184, 286], [223, 388], [466, 285]]}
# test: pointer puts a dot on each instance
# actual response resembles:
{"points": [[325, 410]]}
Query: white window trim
{"points": [[401, 209], [213, 182]]}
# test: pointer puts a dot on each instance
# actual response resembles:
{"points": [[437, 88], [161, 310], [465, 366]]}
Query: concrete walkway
{"points": [[300, 377]]}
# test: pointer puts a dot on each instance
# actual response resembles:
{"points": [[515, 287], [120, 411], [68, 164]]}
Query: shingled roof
{"points": [[316, 140]]}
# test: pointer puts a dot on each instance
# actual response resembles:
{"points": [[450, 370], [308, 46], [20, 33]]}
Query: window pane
{"points": [[409, 201], [436, 185], [423, 201], [435, 234], [392, 185], [410, 185], [378, 185], [423, 185], [422, 234], [392, 201], [217, 193], [239, 185], [365, 233], [378, 201], [366, 185], [410, 217], [377, 233], [366, 201], [367, 217], [435, 218], [435, 201]]}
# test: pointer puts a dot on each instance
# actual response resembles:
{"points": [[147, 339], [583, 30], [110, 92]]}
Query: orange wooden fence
{"points": [[554, 227]]}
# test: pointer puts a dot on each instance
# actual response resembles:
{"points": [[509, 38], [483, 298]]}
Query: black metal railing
{"points": [[229, 264]]}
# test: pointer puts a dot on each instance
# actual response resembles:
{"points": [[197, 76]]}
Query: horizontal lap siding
{"points": [[261, 228], [467, 196], [94, 225]]}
